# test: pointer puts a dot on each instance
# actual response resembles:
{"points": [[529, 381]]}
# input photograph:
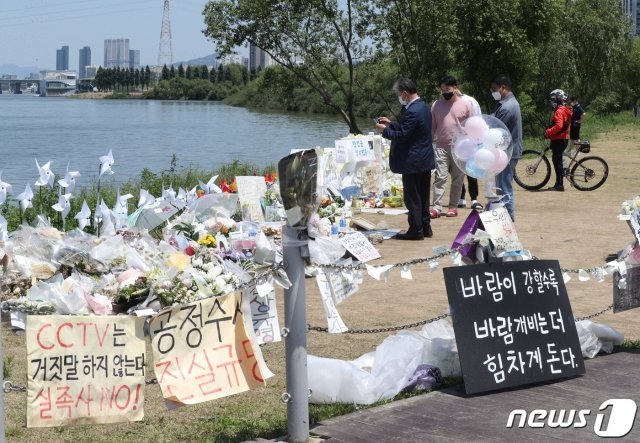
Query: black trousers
{"points": [[557, 148], [473, 188], [417, 188]]}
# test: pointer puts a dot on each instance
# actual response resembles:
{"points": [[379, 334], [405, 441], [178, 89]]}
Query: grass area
{"points": [[591, 128]]}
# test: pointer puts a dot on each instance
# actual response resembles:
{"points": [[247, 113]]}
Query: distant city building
{"points": [[134, 58], [116, 53], [62, 58], [258, 58], [630, 8], [9, 77], [91, 71], [84, 60], [233, 59], [57, 82]]}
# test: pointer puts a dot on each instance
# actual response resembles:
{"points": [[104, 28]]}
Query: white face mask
{"points": [[402, 101], [496, 95]]}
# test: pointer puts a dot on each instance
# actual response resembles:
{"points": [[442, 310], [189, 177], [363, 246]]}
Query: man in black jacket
{"points": [[412, 156]]}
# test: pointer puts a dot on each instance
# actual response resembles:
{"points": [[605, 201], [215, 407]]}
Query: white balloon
{"points": [[493, 138], [475, 126], [484, 158]]}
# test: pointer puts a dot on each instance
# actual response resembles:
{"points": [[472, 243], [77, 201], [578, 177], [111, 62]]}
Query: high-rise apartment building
{"points": [[134, 58], [62, 59], [84, 60], [630, 8], [258, 58], [116, 53]]}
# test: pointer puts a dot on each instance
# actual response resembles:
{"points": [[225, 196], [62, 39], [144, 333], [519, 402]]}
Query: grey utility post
{"points": [[298, 187], [295, 311]]}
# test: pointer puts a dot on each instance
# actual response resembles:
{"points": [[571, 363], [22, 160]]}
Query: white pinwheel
{"points": [[145, 198], [182, 195], [25, 198], [168, 194], [4, 234], [106, 161], [46, 175], [63, 206], [211, 187], [5, 189], [69, 180], [83, 216], [121, 206]]}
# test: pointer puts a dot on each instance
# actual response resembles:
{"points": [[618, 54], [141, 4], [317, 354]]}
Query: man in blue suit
{"points": [[412, 156]]}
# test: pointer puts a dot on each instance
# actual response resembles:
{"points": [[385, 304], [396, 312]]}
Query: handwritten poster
{"points": [[358, 245], [264, 315], [250, 190], [202, 351], [84, 370], [513, 324], [372, 179], [334, 321], [343, 284], [500, 227], [360, 149]]}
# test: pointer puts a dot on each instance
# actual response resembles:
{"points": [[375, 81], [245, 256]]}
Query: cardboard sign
{"points": [[499, 225], [358, 245], [627, 297], [250, 190], [342, 284], [513, 324], [264, 315], [84, 370], [202, 351], [334, 321], [372, 179]]}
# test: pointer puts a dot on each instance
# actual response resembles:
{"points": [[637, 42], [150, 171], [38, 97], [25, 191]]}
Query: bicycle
{"points": [[533, 170]]}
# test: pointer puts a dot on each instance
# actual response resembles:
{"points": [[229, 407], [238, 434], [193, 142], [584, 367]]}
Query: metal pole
{"points": [[295, 312], [2, 434]]}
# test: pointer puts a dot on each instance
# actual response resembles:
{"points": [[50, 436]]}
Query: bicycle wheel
{"points": [[533, 170], [589, 173]]}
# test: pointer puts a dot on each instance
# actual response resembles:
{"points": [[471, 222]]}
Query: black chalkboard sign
{"points": [[513, 324], [629, 296]]}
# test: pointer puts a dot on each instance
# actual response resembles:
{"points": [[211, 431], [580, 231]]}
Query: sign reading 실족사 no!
{"points": [[513, 324]]}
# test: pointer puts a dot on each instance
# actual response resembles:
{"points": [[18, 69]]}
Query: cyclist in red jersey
{"points": [[558, 133]]}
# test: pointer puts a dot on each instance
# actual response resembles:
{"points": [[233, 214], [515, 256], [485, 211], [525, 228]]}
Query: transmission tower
{"points": [[165, 48]]}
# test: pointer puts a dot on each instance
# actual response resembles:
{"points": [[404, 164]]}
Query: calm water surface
{"points": [[145, 134]]}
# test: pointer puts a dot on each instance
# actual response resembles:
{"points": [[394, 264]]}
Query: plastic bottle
{"points": [[342, 225], [334, 231]]}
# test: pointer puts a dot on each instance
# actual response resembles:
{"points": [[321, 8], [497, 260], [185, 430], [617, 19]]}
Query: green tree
{"points": [[165, 73], [317, 40], [188, 73], [181, 71], [213, 75], [147, 76], [204, 72], [220, 72], [245, 75], [172, 72]]}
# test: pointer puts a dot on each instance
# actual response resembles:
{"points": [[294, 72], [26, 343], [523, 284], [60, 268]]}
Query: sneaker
{"points": [[452, 212], [434, 213], [477, 205], [462, 203]]}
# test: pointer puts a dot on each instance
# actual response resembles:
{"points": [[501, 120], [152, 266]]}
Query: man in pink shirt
{"points": [[448, 115]]}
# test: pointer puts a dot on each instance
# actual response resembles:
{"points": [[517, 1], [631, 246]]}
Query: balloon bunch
{"points": [[482, 147]]}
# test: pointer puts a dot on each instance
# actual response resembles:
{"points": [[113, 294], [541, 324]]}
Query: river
{"points": [[145, 134]]}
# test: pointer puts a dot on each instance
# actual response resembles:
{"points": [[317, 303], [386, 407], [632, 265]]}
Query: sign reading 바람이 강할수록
{"points": [[202, 351], [84, 370], [626, 293], [513, 324]]}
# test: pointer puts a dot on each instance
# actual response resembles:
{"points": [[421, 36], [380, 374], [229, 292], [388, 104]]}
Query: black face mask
{"points": [[447, 95]]}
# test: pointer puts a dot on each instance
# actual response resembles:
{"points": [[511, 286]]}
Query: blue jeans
{"points": [[504, 181]]}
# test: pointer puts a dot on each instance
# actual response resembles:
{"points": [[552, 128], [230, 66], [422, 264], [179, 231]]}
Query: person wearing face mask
{"points": [[508, 112], [448, 114], [412, 156], [558, 132], [472, 182]]}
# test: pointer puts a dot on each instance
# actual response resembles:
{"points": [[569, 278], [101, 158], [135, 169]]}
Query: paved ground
{"points": [[451, 415]]}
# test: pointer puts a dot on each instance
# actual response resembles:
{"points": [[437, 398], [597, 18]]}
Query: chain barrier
{"points": [[588, 317], [380, 330], [415, 261], [9, 386]]}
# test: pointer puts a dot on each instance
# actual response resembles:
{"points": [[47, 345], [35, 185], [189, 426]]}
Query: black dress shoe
{"points": [[409, 236], [428, 233]]}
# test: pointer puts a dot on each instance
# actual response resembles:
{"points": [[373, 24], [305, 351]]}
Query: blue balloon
{"points": [[474, 171]]}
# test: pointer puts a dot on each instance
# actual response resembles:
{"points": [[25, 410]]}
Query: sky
{"points": [[32, 30]]}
